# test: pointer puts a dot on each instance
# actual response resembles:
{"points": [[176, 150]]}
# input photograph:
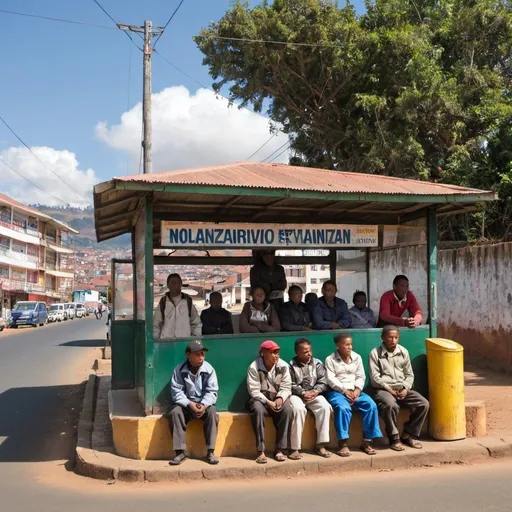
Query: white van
{"points": [[69, 310], [56, 313]]}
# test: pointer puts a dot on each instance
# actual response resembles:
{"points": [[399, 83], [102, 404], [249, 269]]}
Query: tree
{"points": [[411, 88]]}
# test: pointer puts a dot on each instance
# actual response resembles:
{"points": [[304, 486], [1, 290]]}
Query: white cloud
{"points": [[63, 163], [191, 130]]}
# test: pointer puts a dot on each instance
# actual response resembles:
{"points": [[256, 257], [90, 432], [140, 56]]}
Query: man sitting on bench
{"points": [[194, 389]]}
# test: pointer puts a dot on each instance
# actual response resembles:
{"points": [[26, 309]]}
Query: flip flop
{"points": [[180, 458], [279, 457], [368, 449], [211, 459], [325, 454], [261, 459], [295, 455], [413, 443], [397, 446], [343, 452]]}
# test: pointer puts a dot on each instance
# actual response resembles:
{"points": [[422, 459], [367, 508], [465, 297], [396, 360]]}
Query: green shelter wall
{"points": [[232, 355]]}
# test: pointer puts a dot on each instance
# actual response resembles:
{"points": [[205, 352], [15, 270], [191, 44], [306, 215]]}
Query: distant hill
{"points": [[82, 220]]}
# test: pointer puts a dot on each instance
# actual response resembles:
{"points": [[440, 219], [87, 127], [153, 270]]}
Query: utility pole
{"points": [[149, 32]]}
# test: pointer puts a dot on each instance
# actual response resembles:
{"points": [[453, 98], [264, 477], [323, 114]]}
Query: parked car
{"points": [[28, 313], [69, 309], [3, 324], [56, 313], [80, 311]]}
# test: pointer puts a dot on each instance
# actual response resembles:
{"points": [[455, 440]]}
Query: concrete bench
{"points": [[148, 437]]}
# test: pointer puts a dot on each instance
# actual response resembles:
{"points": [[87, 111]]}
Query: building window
{"points": [[19, 275], [5, 243], [32, 224], [4, 272], [19, 222], [5, 214]]}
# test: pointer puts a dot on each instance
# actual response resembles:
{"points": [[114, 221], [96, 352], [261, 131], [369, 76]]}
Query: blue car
{"points": [[28, 313]]}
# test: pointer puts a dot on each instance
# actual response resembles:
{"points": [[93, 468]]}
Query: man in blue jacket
{"points": [[329, 311], [194, 389]]}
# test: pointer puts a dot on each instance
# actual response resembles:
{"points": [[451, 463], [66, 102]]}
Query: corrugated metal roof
{"points": [[11, 202], [280, 176]]}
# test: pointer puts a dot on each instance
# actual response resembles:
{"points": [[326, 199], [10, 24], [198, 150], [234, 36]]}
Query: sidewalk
{"points": [[96, 458]]}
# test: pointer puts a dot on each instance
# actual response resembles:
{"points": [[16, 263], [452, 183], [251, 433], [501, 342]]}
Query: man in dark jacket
{"points": [[329, 311], [215, 319], [309, 381], [269, 276], [294, 315]]}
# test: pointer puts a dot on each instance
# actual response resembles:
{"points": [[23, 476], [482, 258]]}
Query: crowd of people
{"points": [[177, 317], [286, 391]]}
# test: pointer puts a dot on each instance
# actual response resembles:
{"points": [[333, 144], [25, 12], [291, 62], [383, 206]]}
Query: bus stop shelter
{"points": [[254, 205]]}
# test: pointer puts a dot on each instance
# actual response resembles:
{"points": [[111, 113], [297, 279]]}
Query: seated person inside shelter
{"points": [[176, 316], [399, 306], [310, 299], [294, 315], [308, 384], [269, 276], [392, 379], [194, 389], [216, 319], [270, 387], [329, 311], [258, 315], [362, 316], [346, 378]]}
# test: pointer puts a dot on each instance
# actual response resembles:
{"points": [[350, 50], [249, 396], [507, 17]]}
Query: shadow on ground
{"points": [[84, 343], [39, 424]]}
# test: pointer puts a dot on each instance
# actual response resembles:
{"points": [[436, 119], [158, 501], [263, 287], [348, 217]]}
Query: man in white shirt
{"points": [[346, 378], [176, 316]]}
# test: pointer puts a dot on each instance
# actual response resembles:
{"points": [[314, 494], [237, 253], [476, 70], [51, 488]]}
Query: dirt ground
{"points": [[496, 390]]}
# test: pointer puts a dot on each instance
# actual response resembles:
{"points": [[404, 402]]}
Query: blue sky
{"points": [[60, 80]]}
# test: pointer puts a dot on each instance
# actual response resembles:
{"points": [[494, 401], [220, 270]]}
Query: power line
{"points": [[61, 20], [277, 156], [267, 41], [32, 183], [40, 161], [168, 21], [116, 23], [278, 149], [262, 146]]}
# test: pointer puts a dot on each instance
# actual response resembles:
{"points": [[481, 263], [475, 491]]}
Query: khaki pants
{"points": [[322, 412]]}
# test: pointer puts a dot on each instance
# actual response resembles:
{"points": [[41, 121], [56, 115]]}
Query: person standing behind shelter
{"points": [[392, 378], [329, 311], [269, 276], [176, 315], [308, 384], [270, 386], [362, 316], [194, 389], [346, 378], [294, 315], [216, 319], [258, 315], [395, 303]]}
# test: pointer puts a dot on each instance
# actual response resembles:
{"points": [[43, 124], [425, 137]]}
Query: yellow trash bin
{"points": [[445, 360]]}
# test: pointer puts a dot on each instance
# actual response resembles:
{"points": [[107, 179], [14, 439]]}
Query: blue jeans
{"points": [[343, 414]]}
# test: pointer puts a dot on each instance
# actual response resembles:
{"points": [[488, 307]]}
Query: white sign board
{"points": [[278, 236]]}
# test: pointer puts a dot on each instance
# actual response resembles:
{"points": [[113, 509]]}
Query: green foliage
{"points": [[411, 88]]}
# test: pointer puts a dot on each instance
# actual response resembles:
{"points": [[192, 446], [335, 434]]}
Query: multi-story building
{"points": [[36, 256]]}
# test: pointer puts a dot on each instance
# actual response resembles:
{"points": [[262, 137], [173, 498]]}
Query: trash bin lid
{"points": [[443, 345]]}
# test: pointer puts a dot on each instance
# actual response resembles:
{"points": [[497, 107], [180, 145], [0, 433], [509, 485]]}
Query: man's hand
{"points": [[278, 403], [336, 325], [402, 393], [393, 392], [197, 409], [309, 396], [357, 394], [410, 323], [308, 328], [350, 395], [271, 405]]}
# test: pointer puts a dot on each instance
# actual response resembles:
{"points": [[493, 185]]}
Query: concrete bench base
{"points": [[148, 437]]}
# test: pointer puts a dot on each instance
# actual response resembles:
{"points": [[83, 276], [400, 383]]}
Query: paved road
{"points": [[40, 375]]}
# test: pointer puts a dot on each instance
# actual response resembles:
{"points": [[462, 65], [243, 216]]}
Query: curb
{"points": [[102, 465]]}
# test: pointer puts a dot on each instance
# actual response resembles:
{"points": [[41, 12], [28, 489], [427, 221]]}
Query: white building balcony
{"points": [[18, 259], [20, 234], [18, 285]]}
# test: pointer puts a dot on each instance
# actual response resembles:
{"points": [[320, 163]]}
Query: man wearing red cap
{"points": [[270, 386]]}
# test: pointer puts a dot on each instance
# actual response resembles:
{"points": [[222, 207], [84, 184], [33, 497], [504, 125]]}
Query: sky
{"points": [[72, 93]]}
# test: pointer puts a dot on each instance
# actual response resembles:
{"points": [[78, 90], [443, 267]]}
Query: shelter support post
{"points": [[149, 388], [432, 269], [332, 264]]}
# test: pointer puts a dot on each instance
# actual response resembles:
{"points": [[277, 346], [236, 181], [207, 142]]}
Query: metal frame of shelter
{"points": [[248, 193]]}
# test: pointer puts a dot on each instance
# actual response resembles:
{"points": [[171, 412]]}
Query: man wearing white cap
{"points": [[270, 387], [194, 389]]}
